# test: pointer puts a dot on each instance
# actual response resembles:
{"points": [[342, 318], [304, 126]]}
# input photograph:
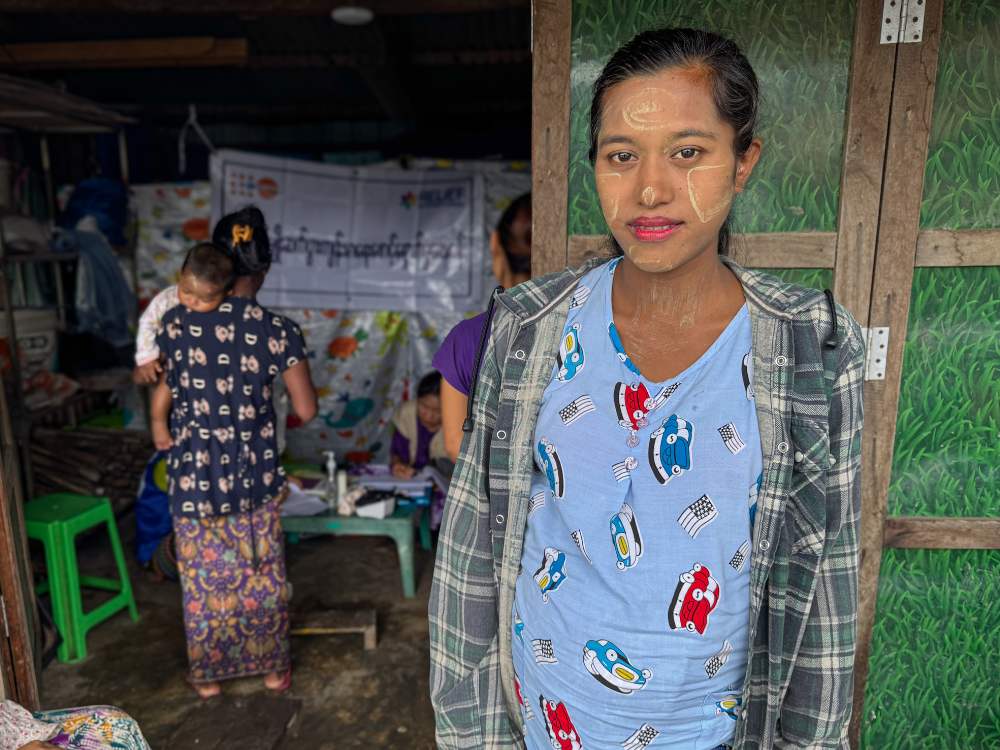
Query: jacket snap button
{"points": [[833, 459], [781, 360], [519, 354], [500, 519], [501, 435], [799, 456], [782, 447], [764, 545]]}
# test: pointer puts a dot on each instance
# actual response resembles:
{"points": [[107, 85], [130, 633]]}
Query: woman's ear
{"points": [[746, 163]]}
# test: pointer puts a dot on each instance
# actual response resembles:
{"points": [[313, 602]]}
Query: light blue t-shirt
{"points": [[631, 610]]}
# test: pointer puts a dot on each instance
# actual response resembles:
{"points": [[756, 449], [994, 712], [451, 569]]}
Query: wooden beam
{"points": [[913, 532], [899, 219], [254, 7], [16, 578], [766, 250], [550, 102], [939, 248], [175, 52], [963, 247], [868, 94]]}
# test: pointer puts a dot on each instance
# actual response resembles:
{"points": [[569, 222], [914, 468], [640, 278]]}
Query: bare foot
{"points": [[207, 690], [279, 682]]}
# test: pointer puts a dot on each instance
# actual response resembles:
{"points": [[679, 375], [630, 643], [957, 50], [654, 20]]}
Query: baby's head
{"points": [[206, 277]]}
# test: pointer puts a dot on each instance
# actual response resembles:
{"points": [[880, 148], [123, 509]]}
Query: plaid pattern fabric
{"points": [[804, 555]]}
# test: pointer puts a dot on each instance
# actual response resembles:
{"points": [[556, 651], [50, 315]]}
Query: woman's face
{"points": [[665, 169], [429, 412]]}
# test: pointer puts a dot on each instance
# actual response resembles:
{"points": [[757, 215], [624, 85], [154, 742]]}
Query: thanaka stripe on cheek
{"points": [[707, 213]]}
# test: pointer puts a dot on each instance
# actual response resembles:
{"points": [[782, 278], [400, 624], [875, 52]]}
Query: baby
{"points": [[206, 279]]}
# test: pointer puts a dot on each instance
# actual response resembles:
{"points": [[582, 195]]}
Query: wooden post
{"points": [[898, 228], [868, 94], [550, 102]]}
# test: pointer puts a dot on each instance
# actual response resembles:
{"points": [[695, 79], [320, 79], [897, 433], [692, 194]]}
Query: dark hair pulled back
{"points": [[244, 234], [734, 84], [429, 385]]}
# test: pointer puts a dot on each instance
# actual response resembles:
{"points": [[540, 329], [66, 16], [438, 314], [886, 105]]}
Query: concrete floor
{"points": [[342, 696]]}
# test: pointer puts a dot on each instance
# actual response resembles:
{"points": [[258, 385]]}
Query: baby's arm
{"points": [[147, 354], [159, 409]]}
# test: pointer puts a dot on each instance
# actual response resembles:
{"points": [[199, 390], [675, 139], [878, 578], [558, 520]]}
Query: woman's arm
{"points": [[159, 409], [454, 404], [816, 710], [301, 393]]}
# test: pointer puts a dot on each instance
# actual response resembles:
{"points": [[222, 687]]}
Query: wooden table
{"points": [[399, 527]]}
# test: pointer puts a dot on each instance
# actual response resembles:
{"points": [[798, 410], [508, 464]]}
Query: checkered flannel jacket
{"points": [[808, 377]]}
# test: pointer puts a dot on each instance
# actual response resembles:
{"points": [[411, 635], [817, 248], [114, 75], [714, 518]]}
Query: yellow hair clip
{"points": [[242, 233]]}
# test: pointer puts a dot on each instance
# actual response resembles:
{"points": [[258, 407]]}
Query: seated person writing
{"points": [[417, 439]]}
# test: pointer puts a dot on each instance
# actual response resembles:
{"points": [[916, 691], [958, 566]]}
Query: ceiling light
{"points": [[352, 15]]}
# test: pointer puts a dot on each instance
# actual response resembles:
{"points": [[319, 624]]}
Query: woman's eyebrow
{"points": [[676, 136], [694, 133], [609, 139]]}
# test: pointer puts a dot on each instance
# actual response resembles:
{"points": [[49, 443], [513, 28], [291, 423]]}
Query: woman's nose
{"points": [[654, 187]]}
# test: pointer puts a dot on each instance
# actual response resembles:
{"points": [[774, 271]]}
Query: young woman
{"points": [[225, 479], [652, 531], [416, 437], [510, 245]]}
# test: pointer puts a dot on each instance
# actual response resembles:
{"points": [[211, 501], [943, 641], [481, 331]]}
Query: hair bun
{"points": [[244, 235]]}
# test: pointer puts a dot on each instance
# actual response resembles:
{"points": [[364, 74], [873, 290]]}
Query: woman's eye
{"points": [[688, 153], [621, 157]]}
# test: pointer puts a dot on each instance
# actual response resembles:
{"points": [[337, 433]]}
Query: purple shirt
{"points": [[456, 359], [401, 446]]}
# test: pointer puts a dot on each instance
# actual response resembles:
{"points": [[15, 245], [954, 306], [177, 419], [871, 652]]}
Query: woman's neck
{"points": [[244, 287], [700, 289]]}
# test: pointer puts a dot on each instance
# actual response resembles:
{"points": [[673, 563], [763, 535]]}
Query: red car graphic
{"points": [[632, 405], [562, 733], [696, 595]]}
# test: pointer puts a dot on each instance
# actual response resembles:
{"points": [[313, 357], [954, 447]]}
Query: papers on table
{"points": [[300, 503]]}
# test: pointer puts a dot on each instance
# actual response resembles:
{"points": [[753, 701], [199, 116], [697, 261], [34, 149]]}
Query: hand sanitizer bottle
{"points": [[330, 491]]}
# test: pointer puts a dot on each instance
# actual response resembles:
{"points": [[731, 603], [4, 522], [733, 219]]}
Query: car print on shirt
{"points": [[754, 493], [548, 456], [730, 706], [571, 357], [562, 733], [610, 667], [625, 538], [670, 449], [696, 595], [747, 371], [551, 573], [634, 404]]}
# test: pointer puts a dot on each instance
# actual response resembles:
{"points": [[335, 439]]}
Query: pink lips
{"points": [[653, 228]]}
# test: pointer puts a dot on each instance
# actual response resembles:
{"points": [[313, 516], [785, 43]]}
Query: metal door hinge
{"points": [[876, 351], [902, 21]]}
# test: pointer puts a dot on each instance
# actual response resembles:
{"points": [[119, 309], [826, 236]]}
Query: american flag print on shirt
{"points": [[731, 437], [698, 515], [580, 297], [740, 557], [537, 501], [577, 536], [576, 409], [641, 738], [624, 468], [544, 653], [714, 663]]}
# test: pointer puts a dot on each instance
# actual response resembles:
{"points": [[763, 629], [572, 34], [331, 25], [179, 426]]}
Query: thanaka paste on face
{"points": [[709, 197], [649, 197], [643, 112], [611, 210]]}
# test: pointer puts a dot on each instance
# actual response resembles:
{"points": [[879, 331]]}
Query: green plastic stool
{"points": [[56, 521]]}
